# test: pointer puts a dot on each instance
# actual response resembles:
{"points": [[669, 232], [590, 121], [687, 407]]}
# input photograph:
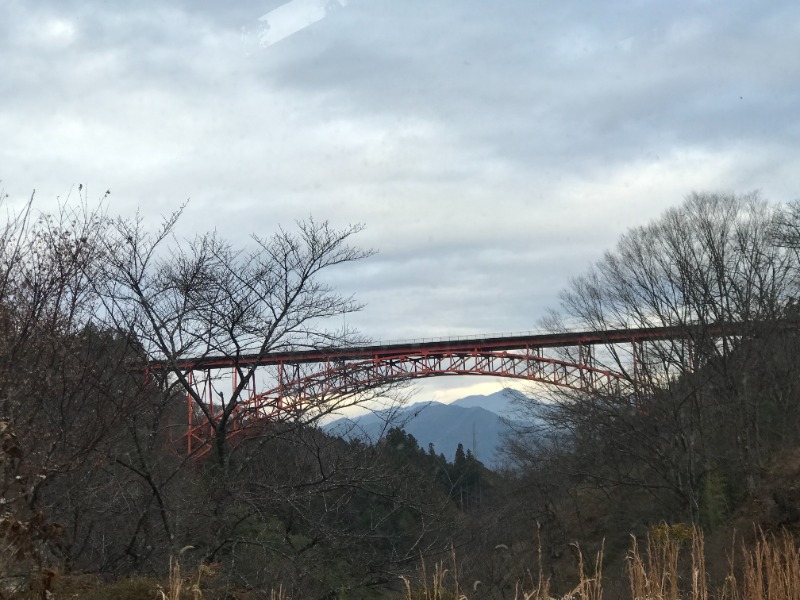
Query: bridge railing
{"points": [[478, 336], [567, 328]]}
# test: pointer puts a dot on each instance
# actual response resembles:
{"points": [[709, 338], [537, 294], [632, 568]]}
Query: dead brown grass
{"points": [[770, 571], [656, 574], [668, 565], [443, 584]]}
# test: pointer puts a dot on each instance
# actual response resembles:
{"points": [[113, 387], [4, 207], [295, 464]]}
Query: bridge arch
{"points": [[310, 375], [345, 377], [313, 376]]}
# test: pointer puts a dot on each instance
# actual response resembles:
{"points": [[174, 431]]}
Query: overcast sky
{"points": [[492, 149]]}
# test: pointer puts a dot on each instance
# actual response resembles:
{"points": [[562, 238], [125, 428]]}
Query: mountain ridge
{"points": [[478, 422]]}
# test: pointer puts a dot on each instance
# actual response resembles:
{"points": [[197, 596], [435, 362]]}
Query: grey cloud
{"points": [[568, 81], [493, 150]]}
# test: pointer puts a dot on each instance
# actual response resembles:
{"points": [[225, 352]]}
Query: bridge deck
{"points": [[491, 344]]}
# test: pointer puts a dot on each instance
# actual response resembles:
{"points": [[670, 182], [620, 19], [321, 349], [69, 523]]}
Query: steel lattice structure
{"points": [[314, 375]]}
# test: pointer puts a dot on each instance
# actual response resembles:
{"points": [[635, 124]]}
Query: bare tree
{"points": [[91, 471], [63, 382], [698, 409], [188, 301], [286, 492]]}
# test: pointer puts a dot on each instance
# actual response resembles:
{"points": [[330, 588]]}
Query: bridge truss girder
{"points": [[317, 375], [300, 384]]}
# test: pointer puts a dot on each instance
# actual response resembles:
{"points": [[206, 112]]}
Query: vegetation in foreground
{"points": [[669, 565], [98, 484]]}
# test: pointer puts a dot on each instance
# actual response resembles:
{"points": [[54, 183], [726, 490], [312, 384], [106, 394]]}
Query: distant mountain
{"points": [[478, 422], [500, 403]]}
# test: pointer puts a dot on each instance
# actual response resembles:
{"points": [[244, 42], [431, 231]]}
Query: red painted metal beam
{"points": [[362, 375], [512, 342], [352, 377], [340, 371]]}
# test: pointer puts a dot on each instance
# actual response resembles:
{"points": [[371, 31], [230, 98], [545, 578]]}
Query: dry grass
{"points": [[589, 586], [177, 584], [443, 585], [770, 571], [670, 566], [540, 586], [657, 574]]}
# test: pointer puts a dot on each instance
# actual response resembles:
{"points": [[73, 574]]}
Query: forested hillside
{"points": [[480, 423], [98, 482]]}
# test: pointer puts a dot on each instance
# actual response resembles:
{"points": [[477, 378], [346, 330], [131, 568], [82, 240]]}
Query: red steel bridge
{"points": [[566, 359]]}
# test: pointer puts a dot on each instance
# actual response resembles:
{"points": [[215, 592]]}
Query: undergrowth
{"points": [[669, 564]]}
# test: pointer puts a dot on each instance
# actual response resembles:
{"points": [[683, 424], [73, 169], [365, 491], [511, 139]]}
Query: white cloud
{"points": [[60, 32], [493, 152]]}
